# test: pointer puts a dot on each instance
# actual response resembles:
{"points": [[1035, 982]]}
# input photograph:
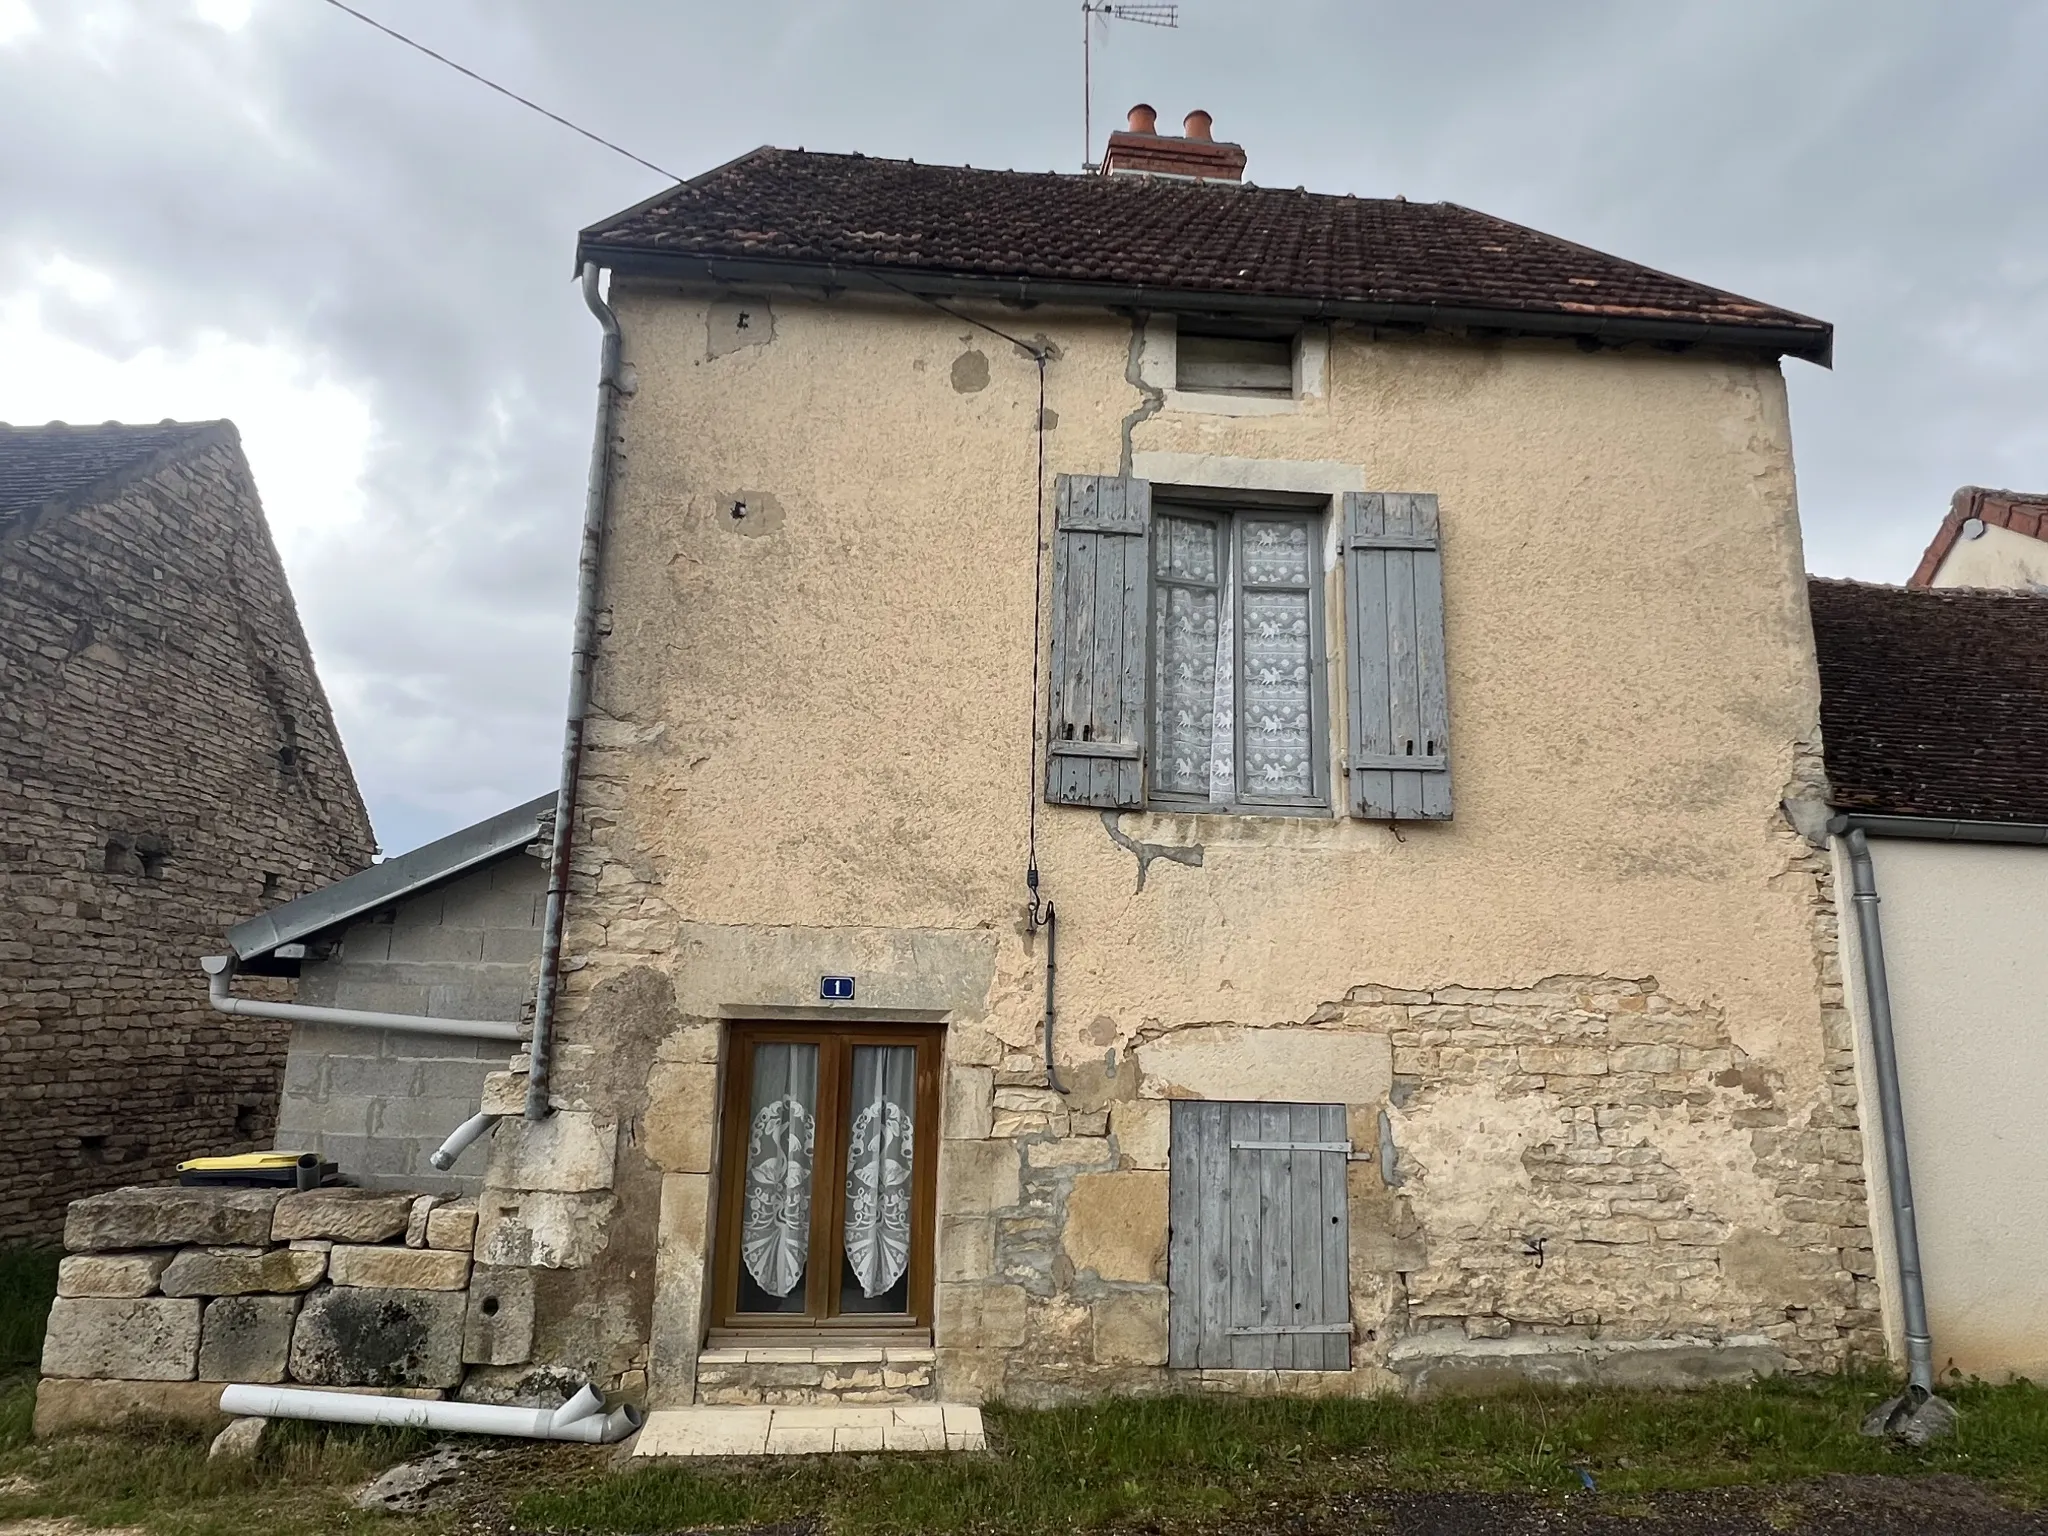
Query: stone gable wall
{"points": [[168, 765]]}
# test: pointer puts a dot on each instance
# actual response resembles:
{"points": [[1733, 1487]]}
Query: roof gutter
{"points": [[1935, 829], [582, 662], [1814, 343]]}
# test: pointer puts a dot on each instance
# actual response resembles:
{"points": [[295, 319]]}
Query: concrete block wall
{"points": [[168, 764], [378, 1102]]}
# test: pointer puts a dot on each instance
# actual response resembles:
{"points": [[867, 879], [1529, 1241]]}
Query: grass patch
{"points": [[1170, 1462], [299, 1485], [28, 1284]]}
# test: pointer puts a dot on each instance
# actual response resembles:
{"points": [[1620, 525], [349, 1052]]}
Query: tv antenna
{"points": [[1092, 10]]}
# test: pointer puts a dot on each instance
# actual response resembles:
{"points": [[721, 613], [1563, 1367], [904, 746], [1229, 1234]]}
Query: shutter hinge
{"points": [[1343, 1328], [1292, 1146]]}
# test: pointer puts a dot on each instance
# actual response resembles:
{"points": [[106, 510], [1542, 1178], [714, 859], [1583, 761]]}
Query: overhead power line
{"points": [[534, 106]]}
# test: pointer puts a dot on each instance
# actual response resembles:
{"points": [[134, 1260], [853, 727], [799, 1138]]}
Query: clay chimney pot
{"points": [[1143, 119], [1197, 124]]}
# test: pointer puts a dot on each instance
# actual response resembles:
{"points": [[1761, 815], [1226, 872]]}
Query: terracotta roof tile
{"points": [[1225, 240], [2016, 510], [1934, 703]]}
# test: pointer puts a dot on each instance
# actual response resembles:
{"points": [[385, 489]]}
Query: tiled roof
{"points": [[58, 465], [1934, 703], [1173, 243], [2000, 509]]}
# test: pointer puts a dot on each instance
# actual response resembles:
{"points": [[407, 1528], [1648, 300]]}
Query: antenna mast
{"points": [[1147, 15]]}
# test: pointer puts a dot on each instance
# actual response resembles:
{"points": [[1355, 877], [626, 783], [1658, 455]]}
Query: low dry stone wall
{"points": [[166, 1294]]}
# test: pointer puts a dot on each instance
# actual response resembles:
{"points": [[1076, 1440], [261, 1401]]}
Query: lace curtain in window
{"points": [[879, 1146], [775, 1230]]}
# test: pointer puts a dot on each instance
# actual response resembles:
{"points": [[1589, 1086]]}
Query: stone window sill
{"points": [[819, 1354]]}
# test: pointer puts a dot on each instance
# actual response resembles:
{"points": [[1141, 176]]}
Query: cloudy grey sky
{"points": [[262, 209]]}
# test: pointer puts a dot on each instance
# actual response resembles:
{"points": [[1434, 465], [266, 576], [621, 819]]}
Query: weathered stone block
{"points": [[167, 1216], [498, 1328], [970, 1103], [1141, 1128], [67, 1405], [404, 1269], [544, 1228], [504, 1093], [359, 1336], [416, 1220], [682, 1236], [1129, 1328], [246, 1338], [153, 1338], [976, 1177], [1069, 1152], [570, 1152], [452, 1226], [242, 1271], [1116, 1225], [346, 1215], [110, 1274], [1278, 1064], [967, 1247], [981, 1316], [679, 1129]]}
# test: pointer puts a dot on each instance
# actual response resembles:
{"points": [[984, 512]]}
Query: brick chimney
{"points": [[1140, 148]]}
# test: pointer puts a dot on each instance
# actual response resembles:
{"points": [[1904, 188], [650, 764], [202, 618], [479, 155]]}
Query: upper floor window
{"points": [[1188, 664], [1234, 362], [1237, 673]]}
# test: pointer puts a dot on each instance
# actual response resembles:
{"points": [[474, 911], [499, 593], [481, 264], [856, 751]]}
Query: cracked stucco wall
{"points": [[1595, 993]]}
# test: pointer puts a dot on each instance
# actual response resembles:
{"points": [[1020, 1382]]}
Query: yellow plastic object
{"points": [[242, 1162]]}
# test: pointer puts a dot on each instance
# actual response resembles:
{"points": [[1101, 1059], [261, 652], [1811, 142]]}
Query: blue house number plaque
{"points": [[836, 989]]}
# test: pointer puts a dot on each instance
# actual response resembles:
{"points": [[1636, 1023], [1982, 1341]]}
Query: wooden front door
{"points": [[829, 1178]]}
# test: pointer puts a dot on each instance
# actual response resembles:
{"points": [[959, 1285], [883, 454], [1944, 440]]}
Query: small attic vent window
{"points": [[1224, 364]]}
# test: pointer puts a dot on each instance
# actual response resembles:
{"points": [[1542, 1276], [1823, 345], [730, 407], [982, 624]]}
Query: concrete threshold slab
{"points": [[810, 1431]]}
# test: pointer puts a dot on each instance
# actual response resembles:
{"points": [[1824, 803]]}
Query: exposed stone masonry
{"points": [[168, 764], [168, 1293]]}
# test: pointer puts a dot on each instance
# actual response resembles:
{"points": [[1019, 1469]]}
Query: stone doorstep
{"points": [[810, 1431], [821, 1354]]}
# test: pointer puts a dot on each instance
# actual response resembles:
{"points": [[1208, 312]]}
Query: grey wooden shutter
{"points": [[1394, 622], [1259, 1237], [1101, 590]]}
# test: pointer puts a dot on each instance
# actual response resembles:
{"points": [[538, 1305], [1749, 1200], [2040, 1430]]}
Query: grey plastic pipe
{"points": [[582, 661], [581, 1418], [220, 970], [459, 1139], [1891, 1110]]}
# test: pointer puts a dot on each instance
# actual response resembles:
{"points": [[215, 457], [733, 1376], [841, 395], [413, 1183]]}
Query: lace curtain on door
{"points": [[775, 1233], [878, 1159]]}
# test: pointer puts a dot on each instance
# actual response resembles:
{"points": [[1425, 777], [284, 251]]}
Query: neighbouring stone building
{"points": [[1379, 633], [167, 762]]}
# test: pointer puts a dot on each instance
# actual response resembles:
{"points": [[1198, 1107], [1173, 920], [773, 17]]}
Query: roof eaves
{"points": [[395, 879], [583, 235], [1811, 340], [2001, 509]]}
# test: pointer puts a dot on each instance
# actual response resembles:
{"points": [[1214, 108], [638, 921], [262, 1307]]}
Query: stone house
{"points": [[1934, 707], [1186, 788], [1989, 539], [167, 761]]}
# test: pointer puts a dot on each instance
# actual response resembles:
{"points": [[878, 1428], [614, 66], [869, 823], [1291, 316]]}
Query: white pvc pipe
{"points": [[459, 1139], [220, 972], [581, 1418]]}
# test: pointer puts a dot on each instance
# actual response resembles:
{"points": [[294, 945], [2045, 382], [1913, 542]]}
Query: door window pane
{"points": [[782, 1131], [880, 1146]]}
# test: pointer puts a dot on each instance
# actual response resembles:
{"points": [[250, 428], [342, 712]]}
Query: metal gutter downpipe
{"points": [[1918, 1415], [582, 662], [220, 971], [581, 1418]]}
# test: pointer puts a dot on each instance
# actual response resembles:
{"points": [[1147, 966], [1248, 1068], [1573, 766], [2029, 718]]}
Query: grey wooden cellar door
{"points": [[1259, 1237]]}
